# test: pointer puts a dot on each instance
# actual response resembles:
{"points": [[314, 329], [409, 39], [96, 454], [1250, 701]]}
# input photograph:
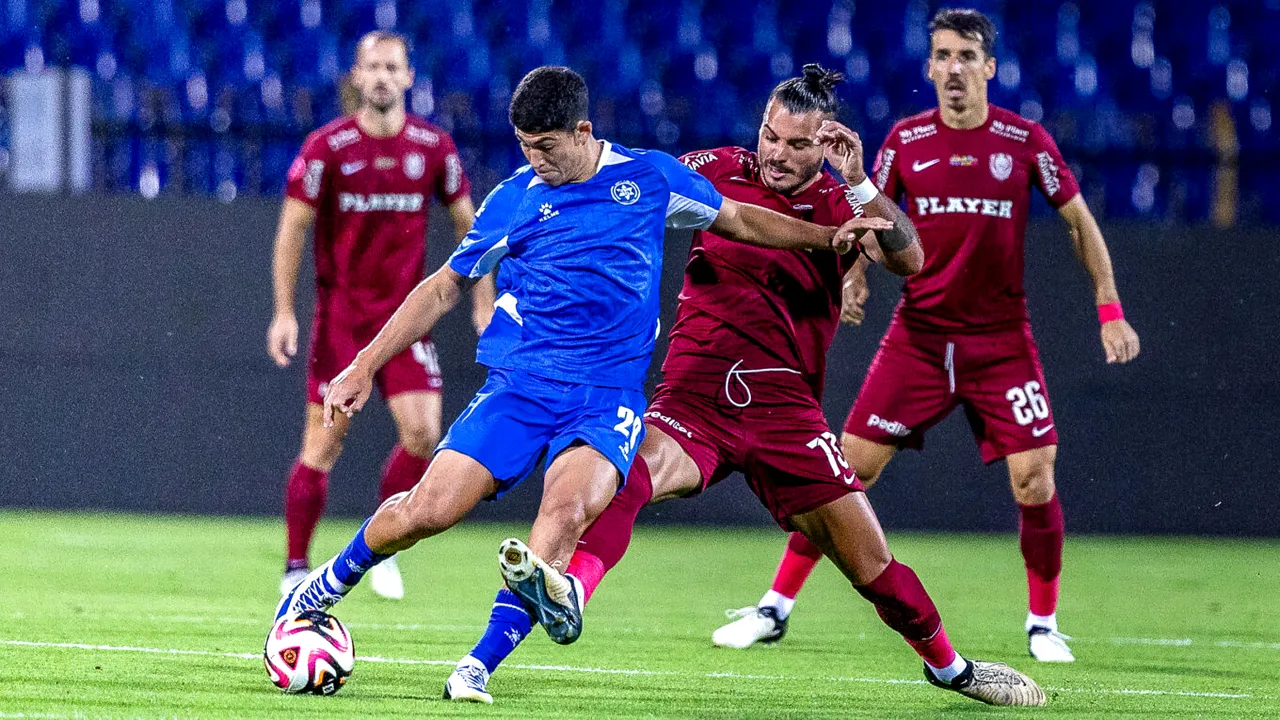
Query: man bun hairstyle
{"points": [[814, 90], [549, 98], [968, 24]]}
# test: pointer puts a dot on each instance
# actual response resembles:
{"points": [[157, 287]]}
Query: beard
{"points": [[793, 179]]}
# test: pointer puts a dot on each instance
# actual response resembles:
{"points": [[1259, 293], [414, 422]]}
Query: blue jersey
{"points": [[582, 265]]}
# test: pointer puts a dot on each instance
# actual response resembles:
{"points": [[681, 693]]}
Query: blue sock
{"points": [[355, 559], [509, 623]]}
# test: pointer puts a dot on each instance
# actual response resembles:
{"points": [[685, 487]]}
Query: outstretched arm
{"points": [[415, 317], [900, 245], [1119, 340], [755, 225]]}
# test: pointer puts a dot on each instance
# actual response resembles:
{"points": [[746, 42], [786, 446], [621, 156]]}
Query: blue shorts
{"points": [[517, 419]]}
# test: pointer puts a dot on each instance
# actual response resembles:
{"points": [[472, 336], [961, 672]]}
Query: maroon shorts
{"points": [[787, 452], [334, 345], [918, 377]]}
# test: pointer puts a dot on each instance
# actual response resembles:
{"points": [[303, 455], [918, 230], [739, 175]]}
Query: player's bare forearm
{"points": [[765, 228], [1091, 249], [296, 218], [900, 245], [485, 292], [416, 316]]}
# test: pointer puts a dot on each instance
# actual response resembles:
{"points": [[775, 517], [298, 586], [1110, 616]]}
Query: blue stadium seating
{"points": [[215, 95]]}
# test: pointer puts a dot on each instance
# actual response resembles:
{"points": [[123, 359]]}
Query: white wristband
{"points": [[865, 191]]}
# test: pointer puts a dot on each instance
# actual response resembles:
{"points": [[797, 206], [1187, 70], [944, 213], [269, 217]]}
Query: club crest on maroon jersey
{"points": [[1001, 166], [414, 165]]}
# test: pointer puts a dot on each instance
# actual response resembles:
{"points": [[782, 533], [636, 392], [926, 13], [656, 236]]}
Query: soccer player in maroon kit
{"points": [[365, 181], [742, 391], [961, 335]]}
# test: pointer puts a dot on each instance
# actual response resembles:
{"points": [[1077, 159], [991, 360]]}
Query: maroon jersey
{"points": [[782, 303], [371, 196], [968, 193]]}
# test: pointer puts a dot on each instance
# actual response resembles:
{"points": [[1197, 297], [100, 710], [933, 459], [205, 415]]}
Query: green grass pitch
{"points": [[160, 617]]}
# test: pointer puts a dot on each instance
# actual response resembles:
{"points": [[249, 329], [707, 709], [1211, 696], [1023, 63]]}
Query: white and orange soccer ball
{"points": [[309, 653]]}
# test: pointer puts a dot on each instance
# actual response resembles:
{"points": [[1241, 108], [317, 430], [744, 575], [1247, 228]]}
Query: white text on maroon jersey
{"points": [[1012, 132], [1048, 173], [343, 138], [971, 206], [675, 424], [394, 202], [697, 160], [912, 134]]}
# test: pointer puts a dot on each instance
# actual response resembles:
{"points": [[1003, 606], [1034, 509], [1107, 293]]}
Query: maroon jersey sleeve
{"points": [[885, 173], [718, 163], [310, 171], [843, 207], [1052, 175], [451, 182]]}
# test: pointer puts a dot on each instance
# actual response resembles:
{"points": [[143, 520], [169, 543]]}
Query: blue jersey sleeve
{"points": [[486, 244], [694, 202]]}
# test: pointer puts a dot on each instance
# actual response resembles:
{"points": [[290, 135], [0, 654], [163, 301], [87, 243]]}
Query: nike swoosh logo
{"points": [[849, 480], [355, 167], [917, 166], [1039, 432]]}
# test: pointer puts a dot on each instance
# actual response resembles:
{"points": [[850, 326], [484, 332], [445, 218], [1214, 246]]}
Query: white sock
{"points": [[779, 602], [1044, 621], [950, 672]]}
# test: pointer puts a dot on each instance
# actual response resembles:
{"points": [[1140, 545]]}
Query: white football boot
{"points": [[467, 682], [385, 579], [291, 579], [992, 683], [554, 599], [750, 625]]}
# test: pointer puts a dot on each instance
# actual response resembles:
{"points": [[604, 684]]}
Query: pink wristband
{"points": [[1110, 312]]}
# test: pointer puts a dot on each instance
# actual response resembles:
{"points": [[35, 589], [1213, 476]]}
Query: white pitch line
{"points": [[432, 627], [610, 671]]}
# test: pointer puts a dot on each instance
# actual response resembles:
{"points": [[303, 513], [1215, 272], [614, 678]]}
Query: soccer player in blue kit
{"points": [[577, 237]]}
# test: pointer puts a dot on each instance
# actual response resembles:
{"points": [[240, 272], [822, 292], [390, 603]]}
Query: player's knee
{"points": [[1033, 485], [566, 511], [419, 438], [320, 450], [867, 468], [425, 514]]}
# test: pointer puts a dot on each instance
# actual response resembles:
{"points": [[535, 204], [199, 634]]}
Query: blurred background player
{"points": [[743, 384], [961, 335], [365, 182], [579, 232]]}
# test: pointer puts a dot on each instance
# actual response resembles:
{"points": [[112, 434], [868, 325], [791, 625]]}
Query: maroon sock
{"points": [[1040, 533], [903, 604], [797, 562], [608, 537], [401, 472], [304, 495]]}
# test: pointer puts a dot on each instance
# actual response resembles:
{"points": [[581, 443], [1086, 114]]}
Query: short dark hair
{"points": [[813, 91], [549, 98], [378, 36], [968, 24]]}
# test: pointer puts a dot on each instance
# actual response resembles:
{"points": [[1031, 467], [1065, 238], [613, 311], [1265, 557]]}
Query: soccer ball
{"points": [[309, 653]]}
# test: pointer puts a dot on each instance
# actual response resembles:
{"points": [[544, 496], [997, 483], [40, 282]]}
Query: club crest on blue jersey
{"points": [[625, 192]]}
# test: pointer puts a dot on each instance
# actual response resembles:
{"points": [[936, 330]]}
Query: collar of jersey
{"points": [[607, 157]]}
